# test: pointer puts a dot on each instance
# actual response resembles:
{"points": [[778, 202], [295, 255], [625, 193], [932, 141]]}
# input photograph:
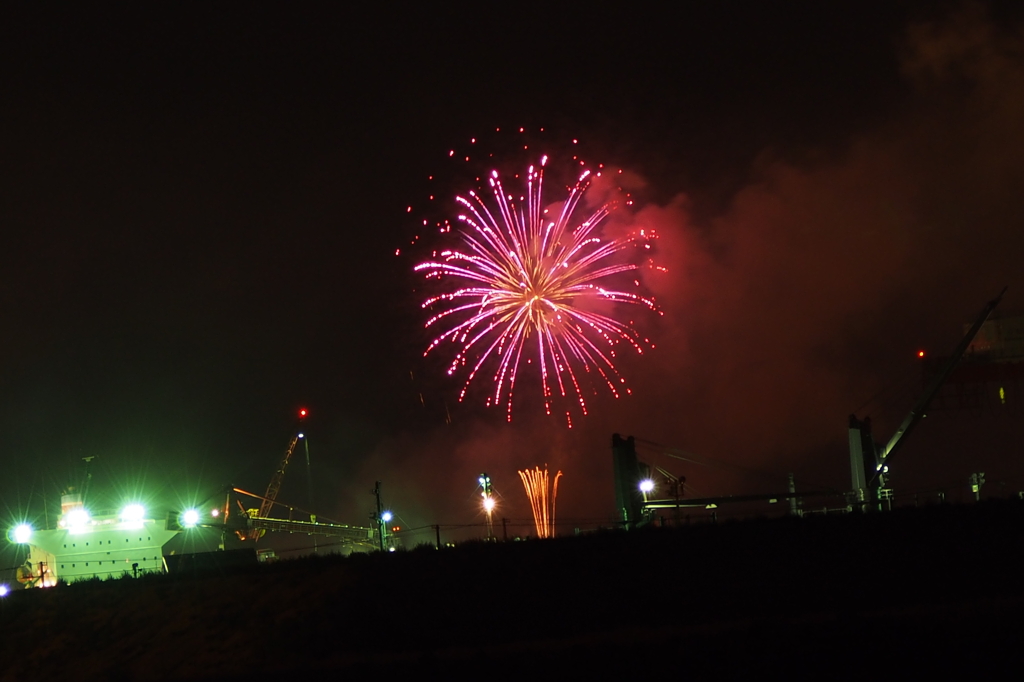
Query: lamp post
{"points": [[383, 517]]}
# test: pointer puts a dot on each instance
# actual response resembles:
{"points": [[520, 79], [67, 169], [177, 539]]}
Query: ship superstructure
{"points": [[84, 546]]}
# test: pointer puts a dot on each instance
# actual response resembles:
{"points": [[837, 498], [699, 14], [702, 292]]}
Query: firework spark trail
{"points": [[521, 273], [542, 506]]}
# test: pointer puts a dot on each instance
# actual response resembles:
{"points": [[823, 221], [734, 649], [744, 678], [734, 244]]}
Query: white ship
{"points": [[83, 546]]}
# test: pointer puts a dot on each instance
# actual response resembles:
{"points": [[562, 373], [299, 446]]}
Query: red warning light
{"points": [[302, 413], [920, 353]]}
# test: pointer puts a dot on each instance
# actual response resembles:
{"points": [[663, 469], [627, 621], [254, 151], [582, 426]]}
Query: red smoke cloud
{"points": [[796, 304]]}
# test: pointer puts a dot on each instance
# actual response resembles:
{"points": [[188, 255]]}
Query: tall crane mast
{"points": [[274, 487]]}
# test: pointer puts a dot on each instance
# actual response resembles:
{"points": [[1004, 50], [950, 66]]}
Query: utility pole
{"points": [[309, 480], [309, 475], [677, 492], [381, 530], [793, 508]]}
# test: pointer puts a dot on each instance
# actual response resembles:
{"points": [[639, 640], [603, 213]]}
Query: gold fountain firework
{"points": [[543, 505]]}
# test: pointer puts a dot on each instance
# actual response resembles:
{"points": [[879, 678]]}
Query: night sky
{"points": [[200, 212]]}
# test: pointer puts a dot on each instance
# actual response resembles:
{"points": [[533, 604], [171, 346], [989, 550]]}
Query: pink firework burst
{"points": [[523, 284]]}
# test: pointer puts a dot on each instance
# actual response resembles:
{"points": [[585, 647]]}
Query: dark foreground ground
{"points": [[925, 592]]}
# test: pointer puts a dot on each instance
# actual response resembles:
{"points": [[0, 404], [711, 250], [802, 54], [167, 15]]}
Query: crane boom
{"points": [[868, 461], [918, 410], [267, 503]]}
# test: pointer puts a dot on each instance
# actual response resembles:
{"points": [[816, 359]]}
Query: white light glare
{"points": [[77, 518], [4, 590], [385, 517], [646, 485], [488, 504], [190, 518], [133, 513], [22, 533]]}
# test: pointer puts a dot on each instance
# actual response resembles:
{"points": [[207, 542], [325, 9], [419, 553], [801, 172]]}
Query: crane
{"points": [[869, 462], [269, 499]]}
